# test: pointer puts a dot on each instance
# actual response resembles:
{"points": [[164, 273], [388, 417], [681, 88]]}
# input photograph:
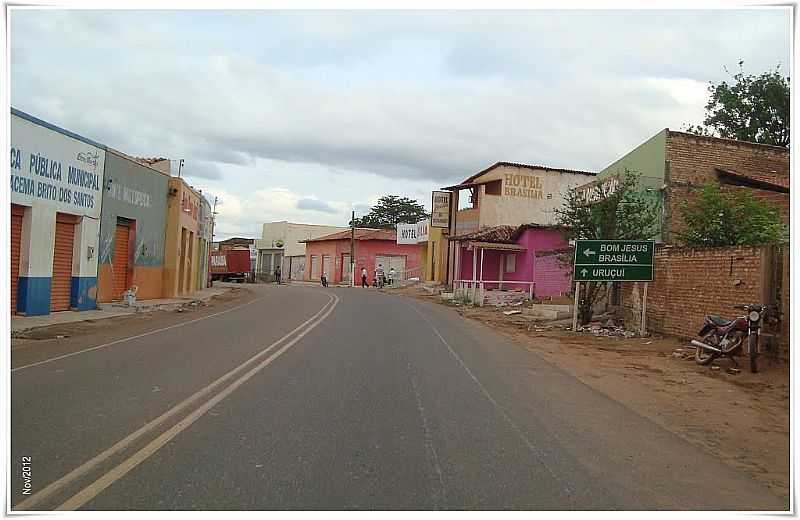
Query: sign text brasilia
{"points": [[613, 261]]}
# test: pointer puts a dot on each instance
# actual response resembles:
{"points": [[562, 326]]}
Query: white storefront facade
{"points": [[56, 193]]}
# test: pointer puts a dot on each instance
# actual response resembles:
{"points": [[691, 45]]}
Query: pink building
{"points": [[330, 254], [528, 258]]}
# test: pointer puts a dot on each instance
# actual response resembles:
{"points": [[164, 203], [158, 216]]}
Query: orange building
{"points": [[181, 252]]}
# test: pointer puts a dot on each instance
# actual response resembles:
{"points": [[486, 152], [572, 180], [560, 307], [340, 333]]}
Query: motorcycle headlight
{"points": [[754, 316]]}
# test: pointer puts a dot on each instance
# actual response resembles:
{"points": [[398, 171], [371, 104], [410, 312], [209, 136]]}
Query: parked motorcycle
{"points": [[721, 337]]}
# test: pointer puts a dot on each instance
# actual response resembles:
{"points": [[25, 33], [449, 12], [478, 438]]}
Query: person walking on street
{"points": [[391, 276], [379, 275], [324, 280], [278, 274], [364, 277]]}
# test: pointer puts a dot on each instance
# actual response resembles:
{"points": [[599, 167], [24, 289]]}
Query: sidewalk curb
{"points": [[117, 310]]}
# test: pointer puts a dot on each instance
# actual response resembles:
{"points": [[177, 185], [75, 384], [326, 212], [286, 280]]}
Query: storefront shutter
{"points": [[121, 260], [17, 213], [326, 267], [62, 262]]}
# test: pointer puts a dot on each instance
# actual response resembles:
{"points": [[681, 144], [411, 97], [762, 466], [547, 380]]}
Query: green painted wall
{"points": [[647, 158], [139, 193]]}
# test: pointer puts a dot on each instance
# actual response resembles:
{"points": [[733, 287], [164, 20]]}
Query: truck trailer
{"points": [[231, 265]]}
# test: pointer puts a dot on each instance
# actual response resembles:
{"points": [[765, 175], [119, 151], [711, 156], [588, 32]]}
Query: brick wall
{"points": [[678, 194], [692, 162], [689, 283], [784, 337]]}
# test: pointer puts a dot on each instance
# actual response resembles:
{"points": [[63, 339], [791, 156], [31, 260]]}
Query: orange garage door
{"points": [[16, 234], [62, 262], [121, 259]]}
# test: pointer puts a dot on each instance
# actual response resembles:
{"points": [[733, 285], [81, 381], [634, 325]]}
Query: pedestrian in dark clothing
{"points": [[364, 277], [324, 280], [278, 274]]}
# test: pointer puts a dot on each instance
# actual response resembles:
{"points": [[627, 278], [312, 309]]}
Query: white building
{"points": [[56, 193], [280, 243]]}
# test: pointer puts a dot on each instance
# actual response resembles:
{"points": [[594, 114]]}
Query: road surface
{"points": [[318, 399]]}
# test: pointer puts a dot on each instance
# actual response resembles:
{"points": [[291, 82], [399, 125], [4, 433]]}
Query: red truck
{"points": [[232, 265]]}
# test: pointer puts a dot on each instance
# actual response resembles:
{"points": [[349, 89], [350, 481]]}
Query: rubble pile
{"points": [[505, 298], [599, 330]]}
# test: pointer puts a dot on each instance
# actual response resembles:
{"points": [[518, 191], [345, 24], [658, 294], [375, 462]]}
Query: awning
{"points": [[496, 246]]}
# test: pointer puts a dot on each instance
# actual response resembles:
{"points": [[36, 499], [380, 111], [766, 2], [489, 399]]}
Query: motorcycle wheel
{"points": [[752, 342], [703, 356]]}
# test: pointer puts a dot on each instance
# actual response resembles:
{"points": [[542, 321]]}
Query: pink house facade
{"points": [[330, 255], [526, 258]]}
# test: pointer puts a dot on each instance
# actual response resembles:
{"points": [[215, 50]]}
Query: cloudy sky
{"points": [[303, 115]]}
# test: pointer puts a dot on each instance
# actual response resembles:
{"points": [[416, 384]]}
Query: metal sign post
{"points": [[643, 329], [575, 308]]}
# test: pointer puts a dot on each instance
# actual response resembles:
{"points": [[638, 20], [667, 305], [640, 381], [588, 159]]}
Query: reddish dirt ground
{"points": [[741, 418]]}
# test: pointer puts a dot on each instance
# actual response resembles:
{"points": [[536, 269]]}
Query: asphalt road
{"points": [[352, 399]]}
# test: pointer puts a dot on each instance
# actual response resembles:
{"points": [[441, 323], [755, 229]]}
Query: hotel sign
{"points": [[412, 233], [440, 209], [526, 186]]}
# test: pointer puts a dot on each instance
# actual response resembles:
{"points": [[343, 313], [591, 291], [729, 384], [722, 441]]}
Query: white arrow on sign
{"points": [[584, 272], [589, 252]]}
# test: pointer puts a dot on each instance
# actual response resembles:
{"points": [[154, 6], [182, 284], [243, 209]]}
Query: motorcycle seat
{"points": [[719, 320]]}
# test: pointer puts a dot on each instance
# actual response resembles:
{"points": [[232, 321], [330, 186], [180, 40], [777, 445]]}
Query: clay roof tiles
{"points": [[520, 165], [361, 234]]}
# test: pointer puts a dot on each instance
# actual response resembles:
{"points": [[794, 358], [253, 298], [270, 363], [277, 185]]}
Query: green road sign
{"points": [[613, 261]]}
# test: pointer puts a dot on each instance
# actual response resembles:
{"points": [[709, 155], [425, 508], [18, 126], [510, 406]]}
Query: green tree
{"points": [[751, 108], [716, 218], [627, 212], [391, 210]]}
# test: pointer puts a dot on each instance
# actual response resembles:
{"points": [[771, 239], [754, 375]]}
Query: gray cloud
{"points": [[315, 205], [201, 169], [412, 97], [361, 209]]}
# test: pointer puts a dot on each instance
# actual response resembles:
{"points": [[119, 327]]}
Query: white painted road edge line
{"points": [[94, 489], [123, 340], [87, 466], [536, 452]]}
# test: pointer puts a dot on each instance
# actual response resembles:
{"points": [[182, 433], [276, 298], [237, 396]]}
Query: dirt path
{"points": [[741, 418]]}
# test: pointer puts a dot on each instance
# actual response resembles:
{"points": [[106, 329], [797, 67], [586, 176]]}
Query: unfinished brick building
{"points": [[673, 165], [690, 282]]}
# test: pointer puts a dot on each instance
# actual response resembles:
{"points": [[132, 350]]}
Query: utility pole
{"points": [[353, 249], [213, 221]]}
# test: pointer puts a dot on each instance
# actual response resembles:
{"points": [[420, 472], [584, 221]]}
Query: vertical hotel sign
{"points": [[54, 169], [440, 209]]}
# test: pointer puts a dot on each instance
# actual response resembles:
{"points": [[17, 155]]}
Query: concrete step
{"points": [[548, 314], [551, 307]]}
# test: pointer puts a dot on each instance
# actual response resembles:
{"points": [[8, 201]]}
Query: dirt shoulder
{"points": [[45, 342], [743, 418]]}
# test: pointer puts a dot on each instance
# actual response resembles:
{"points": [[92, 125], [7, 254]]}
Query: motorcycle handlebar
{"points": [[770, 308]]}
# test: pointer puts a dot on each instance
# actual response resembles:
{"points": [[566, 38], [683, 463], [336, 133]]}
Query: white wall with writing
{"points": [[51, 169]]}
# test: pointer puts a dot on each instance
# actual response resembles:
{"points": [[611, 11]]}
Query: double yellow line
{"points": [[204, 400]]}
